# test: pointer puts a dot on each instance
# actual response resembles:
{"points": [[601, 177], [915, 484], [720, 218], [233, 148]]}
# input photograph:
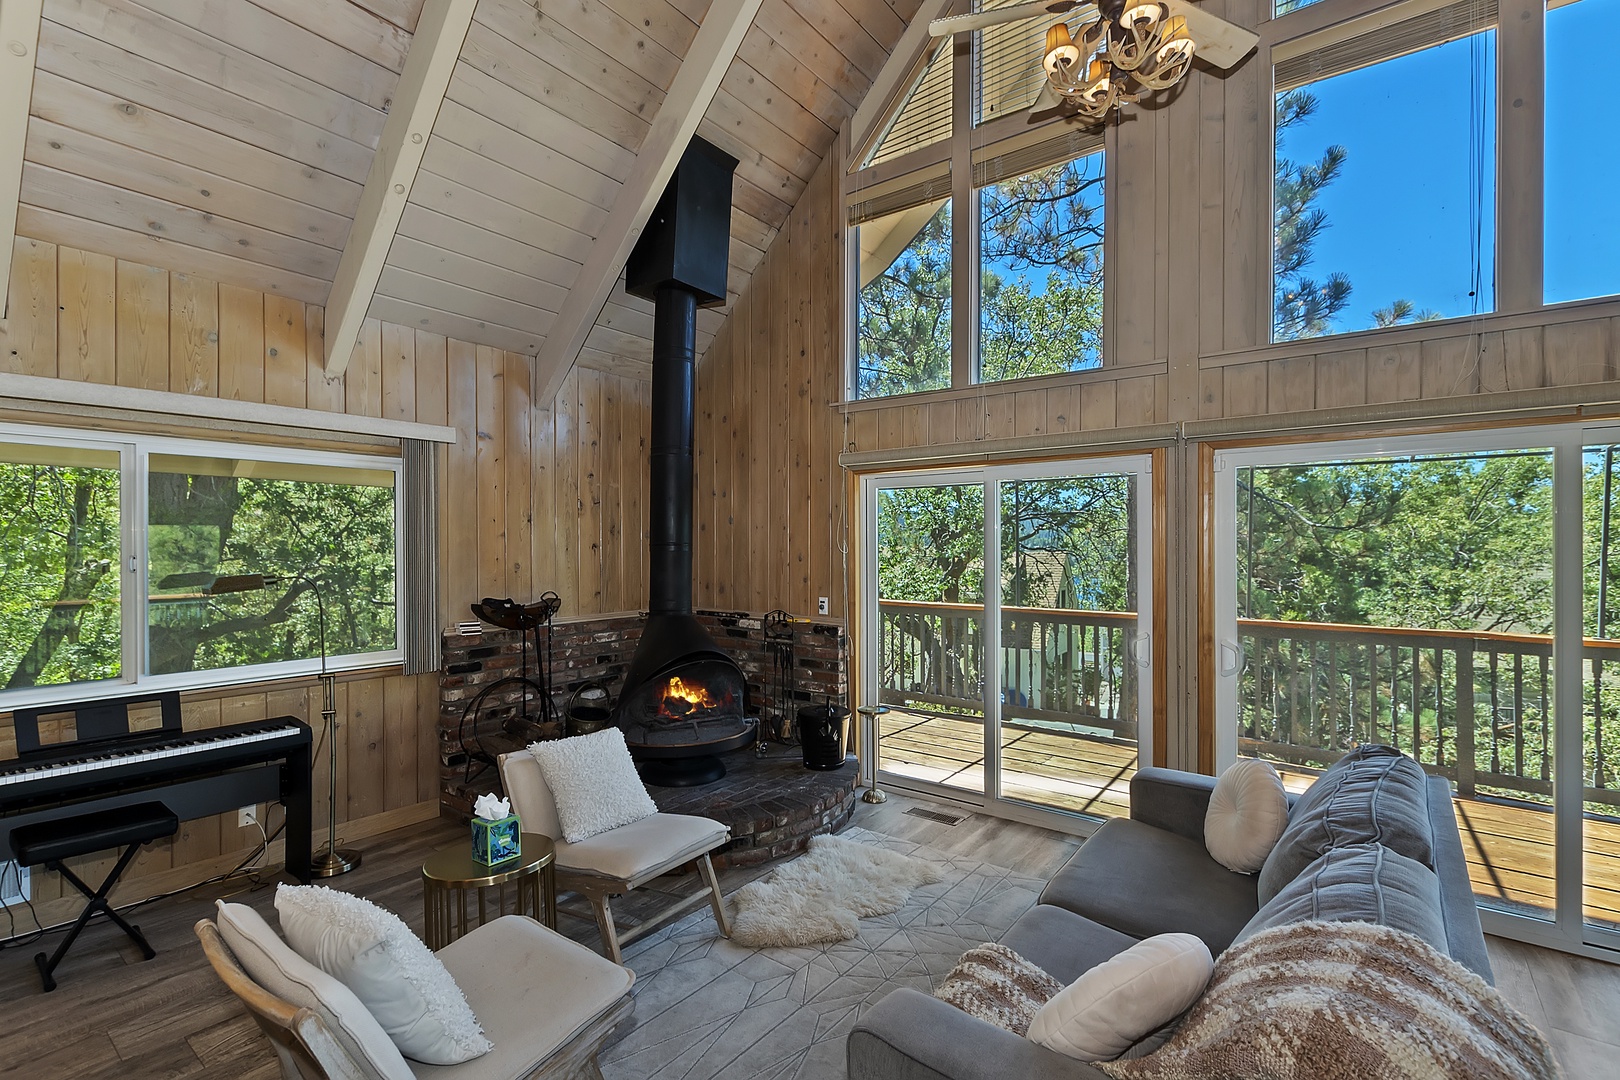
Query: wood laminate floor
{"points": [[116, 1016]]}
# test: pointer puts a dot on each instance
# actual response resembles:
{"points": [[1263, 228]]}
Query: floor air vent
{"points": [[935, 815]]}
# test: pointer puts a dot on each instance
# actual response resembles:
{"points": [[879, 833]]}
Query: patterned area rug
{"points": [[709, 1008]]}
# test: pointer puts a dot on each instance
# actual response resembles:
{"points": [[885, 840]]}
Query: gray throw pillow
{"points": [[1374, 794], [1360, 883]]}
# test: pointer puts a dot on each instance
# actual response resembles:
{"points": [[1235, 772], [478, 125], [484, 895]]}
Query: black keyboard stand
{"points": [[50, 842]]}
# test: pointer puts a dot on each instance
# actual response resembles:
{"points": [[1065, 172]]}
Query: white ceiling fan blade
{"points": [[961, 24], [1047, 100], [1221, 43]]}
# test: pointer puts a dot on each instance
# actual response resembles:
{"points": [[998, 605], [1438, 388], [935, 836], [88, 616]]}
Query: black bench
{"points": [[50, 842]]}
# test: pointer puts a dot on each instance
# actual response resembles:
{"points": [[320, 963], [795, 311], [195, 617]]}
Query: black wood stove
{"points": [[682, 703]]}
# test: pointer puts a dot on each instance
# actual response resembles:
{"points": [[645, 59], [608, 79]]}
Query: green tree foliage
{"points": [[340, 536], [1448, 544], [59, 580], [1041, 276]]}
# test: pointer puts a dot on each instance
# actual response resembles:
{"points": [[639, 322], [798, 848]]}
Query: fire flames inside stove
{"points": [[682, 700]]}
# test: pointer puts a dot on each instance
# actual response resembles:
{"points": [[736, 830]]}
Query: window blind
{"points": [[924, 117], [1385, 43]]}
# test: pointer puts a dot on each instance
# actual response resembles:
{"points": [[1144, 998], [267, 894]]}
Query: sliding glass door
{"points": [[1007, 630], [931, 641], [1452, 595]]}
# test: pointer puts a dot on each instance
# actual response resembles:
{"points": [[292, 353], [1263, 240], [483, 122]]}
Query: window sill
{"points": [[207, 684]]}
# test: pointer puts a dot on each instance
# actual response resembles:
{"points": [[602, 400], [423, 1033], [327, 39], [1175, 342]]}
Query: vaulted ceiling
{"points": [[232, 139]]}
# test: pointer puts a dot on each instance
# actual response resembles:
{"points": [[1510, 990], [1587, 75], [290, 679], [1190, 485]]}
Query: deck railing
{"points": [[1057, 667], [1474, 707]]}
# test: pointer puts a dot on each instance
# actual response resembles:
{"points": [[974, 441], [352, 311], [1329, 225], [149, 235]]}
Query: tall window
{"points": [[904, 278], [1016, 239], [1385, 178], [109, 548], [1582, 240], [1041, 271]]}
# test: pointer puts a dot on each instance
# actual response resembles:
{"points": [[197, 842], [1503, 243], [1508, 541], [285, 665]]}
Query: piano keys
{"points": [[194, 773]]}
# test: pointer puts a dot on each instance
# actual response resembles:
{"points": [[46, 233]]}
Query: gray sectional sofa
{"points": [[1150, 874]]}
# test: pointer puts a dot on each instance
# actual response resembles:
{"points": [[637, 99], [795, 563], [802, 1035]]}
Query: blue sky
{"points": [[1399, 212], [1583, 153], [1400, 209]]}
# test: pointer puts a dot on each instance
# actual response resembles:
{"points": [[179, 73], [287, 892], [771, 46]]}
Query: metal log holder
{"points": [[527, 619]]}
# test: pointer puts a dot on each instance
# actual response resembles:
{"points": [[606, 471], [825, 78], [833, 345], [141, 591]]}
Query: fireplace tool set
{"points": [[776, 719], [528, 620]]}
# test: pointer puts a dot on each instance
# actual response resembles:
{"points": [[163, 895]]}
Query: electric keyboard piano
{"points": [[194, 773]]}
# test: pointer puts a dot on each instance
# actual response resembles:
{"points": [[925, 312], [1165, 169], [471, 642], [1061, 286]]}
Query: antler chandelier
{"points": [[1126, 53]]}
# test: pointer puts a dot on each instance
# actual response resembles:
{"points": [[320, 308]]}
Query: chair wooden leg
{"points": [[604, 923], [716, 901]]}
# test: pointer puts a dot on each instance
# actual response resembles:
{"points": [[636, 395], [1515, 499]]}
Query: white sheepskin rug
{"points": [[821, 896]]}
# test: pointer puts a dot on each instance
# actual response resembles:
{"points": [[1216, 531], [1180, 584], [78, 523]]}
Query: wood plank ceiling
{"points": [[231, 138]]}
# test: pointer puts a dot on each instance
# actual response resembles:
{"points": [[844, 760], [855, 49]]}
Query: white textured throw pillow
{"points": [[1103, 1012], [594, 782], [375, 955], [1247, 814]]}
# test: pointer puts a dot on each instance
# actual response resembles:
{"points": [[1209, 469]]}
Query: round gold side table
{"points": [[448, 875]]}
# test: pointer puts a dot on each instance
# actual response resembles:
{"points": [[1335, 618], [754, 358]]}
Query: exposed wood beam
{"points": [[893, 80], [19, 39], [688, 99], [422, 85]]}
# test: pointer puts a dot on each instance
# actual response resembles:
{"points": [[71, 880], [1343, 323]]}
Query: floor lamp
{"points": [[333, 861]]}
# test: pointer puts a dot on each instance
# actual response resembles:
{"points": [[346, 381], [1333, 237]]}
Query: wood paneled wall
{"points": [[531, 498], [769, 510]]}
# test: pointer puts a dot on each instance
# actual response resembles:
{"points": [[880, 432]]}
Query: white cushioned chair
{"points": [[612, 863], [546, 1003]]}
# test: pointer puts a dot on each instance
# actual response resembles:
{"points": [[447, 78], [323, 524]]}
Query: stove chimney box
{"points": [[687, 241]]}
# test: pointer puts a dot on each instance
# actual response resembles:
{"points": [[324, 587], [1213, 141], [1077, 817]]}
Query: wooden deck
{"points": [[1509, 845]]}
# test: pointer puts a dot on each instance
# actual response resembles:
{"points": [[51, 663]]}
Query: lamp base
{"points": [[873, 795], [332, 862]]}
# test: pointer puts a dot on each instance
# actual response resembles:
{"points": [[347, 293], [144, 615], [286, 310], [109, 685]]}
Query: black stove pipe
{"points": [[669, 526]]}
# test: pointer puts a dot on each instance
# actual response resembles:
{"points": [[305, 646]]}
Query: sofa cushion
{"points": [[1248, 811], [1142, 881], [1374, 794], [1064, 944], [1360, 883], [532, 989], [1120, 1001], [996, 985]]}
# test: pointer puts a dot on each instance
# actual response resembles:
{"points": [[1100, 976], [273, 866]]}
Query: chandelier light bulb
{"points": [[1062, 55]]}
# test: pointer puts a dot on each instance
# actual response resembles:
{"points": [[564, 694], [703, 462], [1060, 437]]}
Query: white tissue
{"points": [[491, 808]]}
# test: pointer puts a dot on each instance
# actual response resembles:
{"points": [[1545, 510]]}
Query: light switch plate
{"points": [[821, 605]]}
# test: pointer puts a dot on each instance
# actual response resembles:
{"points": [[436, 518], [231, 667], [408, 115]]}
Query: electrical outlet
{"points": [[13, 883], [821, 605], [247, 816]]}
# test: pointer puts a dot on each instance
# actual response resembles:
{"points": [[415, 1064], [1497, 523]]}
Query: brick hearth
{"points": [[774, 805]]}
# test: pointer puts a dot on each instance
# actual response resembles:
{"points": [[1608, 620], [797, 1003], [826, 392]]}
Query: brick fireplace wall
{"points": [[598, 649]]}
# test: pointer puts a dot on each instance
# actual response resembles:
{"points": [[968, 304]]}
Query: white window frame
{"points": [[1567, 930], [134, 453], [990, 477]]}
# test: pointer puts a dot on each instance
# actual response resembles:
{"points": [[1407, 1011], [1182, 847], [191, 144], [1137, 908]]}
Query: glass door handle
{"points": [[1140, 650], [1235, 651]]}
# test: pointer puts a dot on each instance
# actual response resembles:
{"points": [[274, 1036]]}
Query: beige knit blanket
{"points": [[1357, 1001]]}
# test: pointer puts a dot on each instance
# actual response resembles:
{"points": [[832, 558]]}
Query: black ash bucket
{"points": [[821, 735]]}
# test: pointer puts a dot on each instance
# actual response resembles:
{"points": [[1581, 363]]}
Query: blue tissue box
{"points": [[496, 841]]}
